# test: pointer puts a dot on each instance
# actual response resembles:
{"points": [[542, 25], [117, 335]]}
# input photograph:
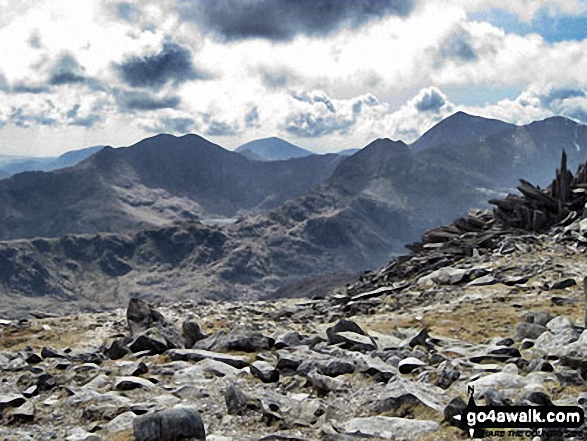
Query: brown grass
{"points": [[126, 435]]}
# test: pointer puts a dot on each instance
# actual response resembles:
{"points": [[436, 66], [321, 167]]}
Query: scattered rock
{"points": [[169, 425]]}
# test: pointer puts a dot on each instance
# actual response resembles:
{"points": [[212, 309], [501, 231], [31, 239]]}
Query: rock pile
{"points": [[293, 370]]}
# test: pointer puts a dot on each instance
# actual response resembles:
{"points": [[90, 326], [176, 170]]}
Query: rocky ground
{"points": [[380, 362]]}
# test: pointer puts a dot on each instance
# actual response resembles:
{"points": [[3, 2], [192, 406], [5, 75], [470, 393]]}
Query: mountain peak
{"points": [[272, 149], [460, 128]]}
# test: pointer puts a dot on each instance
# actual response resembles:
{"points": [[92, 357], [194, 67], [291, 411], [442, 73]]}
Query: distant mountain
{"points": [[10, 165], [530, 152], [272, 149], [348, 152], [156, 181], [459, 129]]}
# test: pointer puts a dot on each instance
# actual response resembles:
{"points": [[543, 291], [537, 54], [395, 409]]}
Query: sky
{"points": [[323, 74]]}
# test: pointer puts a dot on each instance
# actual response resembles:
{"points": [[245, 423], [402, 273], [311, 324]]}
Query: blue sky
{"points": [[553, 28], [322, 74]]}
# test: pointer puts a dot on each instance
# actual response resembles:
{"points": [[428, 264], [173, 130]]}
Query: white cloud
{"points": [[398, 61]]}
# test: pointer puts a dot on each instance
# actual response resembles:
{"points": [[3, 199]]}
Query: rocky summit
{"points": [[388, 357]]}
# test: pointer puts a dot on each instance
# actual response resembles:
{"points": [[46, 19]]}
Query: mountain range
{"points": [[10, 165], [320, 218], [156, 181]]}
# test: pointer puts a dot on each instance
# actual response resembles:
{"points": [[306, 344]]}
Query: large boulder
{"points": [[169, 425], [142, 317]]}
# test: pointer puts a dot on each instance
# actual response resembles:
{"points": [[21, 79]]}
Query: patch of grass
{"points": [[126, 435]]}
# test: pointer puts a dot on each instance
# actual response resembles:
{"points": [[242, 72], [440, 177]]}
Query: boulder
{"points": [[400, 393], [192, 333], [237, 341], [236, 361], [264, 371], [169, 425], [130, 383], [141, 317], [529, 330], [407, 365]]}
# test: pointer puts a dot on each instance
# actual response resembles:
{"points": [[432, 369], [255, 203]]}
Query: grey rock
{"points": [[169, 425], [117, 350], [79, 434], [560, 323], [355, 342], [148, 341], [342, 326], [537, 365], [446, 374], [142, 317], [52, 353], [205, 369], [562, 284], [11, 400], [453, 408], [538, 318], [321, 383], [130, 383], [264, 371], [377, 368], [236, 340], [192, 333], [388, 427], [236, 361], [236, 401], [132, 368], [407, 365], [22, 414], [122, 422], [554, 344], [528, 330], [493, 397], [336, 368], [400, 392]]}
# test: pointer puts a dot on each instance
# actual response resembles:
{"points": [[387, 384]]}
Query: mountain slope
{"points": [[272, 149], [156, 181], [459, 129]]}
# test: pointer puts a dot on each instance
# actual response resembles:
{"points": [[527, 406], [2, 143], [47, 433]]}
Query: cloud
{"points": [[458, 46], [282, 20], [87, 121], [133, 100], [173, 64], [66, 71], [28, 88], [368, 100], [431, 100], [35, 40], [308, 125], [173, 125], [276, 78], [252, 118], [20, 118], [127, 12], [558, 95], [314, 97], [221, 128]]}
